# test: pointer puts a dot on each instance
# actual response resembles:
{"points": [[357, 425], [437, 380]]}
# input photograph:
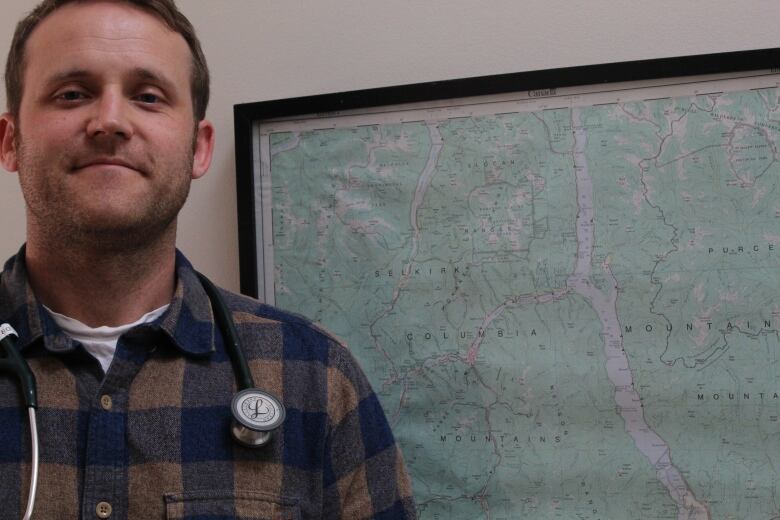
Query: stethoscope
{"points": [[256, 413]]}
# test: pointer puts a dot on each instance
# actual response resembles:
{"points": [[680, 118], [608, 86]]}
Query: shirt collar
{"points": [[18, 305], [188, 323]]}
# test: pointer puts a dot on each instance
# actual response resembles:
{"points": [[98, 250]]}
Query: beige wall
{"points": [[269, 49]]}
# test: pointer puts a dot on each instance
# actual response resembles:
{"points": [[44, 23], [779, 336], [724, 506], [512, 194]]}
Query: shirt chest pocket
{"points": [[223, 505]]}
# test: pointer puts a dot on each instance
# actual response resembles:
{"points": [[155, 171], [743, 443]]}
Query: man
{"points": [[106, 129]]}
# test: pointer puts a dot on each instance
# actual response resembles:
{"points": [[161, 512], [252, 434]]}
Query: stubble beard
{"points": [[58, 217]]}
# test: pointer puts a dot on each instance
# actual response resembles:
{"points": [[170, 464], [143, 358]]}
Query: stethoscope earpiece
{"points": [[256, 414]]}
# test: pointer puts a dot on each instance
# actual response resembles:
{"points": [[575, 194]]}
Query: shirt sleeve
{"points": [[364, 473]]}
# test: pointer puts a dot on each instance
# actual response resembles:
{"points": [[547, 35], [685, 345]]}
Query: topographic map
{"points": [[568, 300]]}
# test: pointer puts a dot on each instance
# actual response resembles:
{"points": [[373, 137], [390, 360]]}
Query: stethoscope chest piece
{"points": [[256, 414]]}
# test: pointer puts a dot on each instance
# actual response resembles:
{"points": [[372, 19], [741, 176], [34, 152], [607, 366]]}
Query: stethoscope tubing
{"points": [[225, 323], [35, 464], [14, 363]]}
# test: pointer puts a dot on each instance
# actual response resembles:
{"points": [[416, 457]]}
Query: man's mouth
{"points": [[106, 162]]}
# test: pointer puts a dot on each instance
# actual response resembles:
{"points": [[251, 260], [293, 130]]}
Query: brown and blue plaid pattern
{"points": [[161, 448]]}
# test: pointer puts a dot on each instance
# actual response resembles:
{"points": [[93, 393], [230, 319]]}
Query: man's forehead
{"points": [[105, 26]]}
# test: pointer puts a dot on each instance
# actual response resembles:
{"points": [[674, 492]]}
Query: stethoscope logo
{"points": [[258, 409]]}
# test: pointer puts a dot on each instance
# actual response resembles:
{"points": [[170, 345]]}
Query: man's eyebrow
{"points": [[153, 77], [68, 75], [142, 73]]}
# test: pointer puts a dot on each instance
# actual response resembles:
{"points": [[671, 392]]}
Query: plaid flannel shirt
{"points": [[151, 438]]}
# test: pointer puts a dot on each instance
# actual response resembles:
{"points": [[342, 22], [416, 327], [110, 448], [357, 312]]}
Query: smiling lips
{"points": [[106, 161]]}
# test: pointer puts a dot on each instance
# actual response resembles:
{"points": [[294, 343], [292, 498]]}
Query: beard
{"points": [[112, 211]]}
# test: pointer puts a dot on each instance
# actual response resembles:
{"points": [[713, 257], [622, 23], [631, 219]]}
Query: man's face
{"points": [[105, 141]]}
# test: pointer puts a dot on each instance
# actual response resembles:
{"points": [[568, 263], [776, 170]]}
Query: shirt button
{"points": [[106, 403], [103, 510]]}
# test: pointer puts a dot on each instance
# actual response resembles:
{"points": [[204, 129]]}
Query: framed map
{"points": [[564, 285]]}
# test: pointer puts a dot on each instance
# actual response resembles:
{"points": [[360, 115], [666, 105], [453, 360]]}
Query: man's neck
{"points": [[102, 287]]}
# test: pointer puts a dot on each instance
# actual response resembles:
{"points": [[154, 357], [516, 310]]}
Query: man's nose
{"points": [[110, 117]]}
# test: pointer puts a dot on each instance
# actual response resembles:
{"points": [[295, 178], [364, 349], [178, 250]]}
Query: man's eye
{"points": [[148, 98], [71, 95]]}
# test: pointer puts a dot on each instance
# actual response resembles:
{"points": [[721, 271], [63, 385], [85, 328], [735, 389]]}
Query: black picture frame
{"points": [[247, 115]]}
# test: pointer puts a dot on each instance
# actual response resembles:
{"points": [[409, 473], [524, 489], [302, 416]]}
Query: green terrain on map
{"points": [[441, 252]]}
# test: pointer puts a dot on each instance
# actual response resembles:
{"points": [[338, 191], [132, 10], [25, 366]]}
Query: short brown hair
{"points": [[166, 10]]}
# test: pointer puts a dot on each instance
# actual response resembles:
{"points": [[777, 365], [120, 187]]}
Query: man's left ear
{"points": [[204, 149]]}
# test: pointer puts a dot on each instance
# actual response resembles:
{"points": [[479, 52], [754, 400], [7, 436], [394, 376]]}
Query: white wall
{"points": [[270, 49]]}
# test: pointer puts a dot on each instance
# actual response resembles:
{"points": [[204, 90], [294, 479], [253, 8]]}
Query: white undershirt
{"points": [[100, 341]]}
